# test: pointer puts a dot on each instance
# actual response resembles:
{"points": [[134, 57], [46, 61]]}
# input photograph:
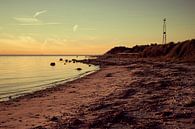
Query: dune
{"points": [[182, 50]]}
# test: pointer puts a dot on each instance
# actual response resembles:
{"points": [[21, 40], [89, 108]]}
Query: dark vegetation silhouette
{"points": [[183, 50]]}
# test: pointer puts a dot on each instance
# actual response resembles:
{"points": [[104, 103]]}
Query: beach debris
{"points": [[89, 65], [79, 69], [52, 63], [75, 122], [69, 61], [60, 59], [10, 97], [109, 75], [55, 119], [190, 104], [66, 60], [64, 63]]}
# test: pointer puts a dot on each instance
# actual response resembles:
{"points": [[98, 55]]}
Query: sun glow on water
{"points": [[24, 74]]}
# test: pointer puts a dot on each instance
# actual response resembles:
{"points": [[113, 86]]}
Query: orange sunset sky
{"points": [[90, 26]]}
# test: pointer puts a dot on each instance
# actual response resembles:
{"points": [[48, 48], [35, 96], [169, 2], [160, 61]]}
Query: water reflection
{"points": [[23, 74]]}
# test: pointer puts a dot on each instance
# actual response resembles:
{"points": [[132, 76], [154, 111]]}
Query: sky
{"points": [[30, 27]]}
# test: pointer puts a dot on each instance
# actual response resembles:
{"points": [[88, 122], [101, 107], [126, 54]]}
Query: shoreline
{"points": [[39, 85], [135, 95], [52, 87]]}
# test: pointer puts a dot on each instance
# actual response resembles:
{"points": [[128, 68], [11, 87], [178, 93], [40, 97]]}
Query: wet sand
{"points": [[133, 95]]}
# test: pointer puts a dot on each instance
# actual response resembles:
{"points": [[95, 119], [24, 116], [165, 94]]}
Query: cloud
{"points": [[30, 19], [22, 43], [33, 21], [75, 27], [39, 13], [26, 19], [27, 39]]}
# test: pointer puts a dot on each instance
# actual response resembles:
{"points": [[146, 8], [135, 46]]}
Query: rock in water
{"points": [[74, 60], [79, 69], [52, 63]]}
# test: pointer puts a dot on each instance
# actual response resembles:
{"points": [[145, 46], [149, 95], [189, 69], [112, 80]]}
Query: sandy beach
{"points": [[134, 95], [97, 64]]}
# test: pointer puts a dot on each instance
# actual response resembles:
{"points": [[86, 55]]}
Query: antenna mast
{"points": [[164, 32]]}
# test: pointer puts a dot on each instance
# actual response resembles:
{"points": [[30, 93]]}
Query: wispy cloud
{"points": [[26, 19], [75, 27], [39, 13], [33, 21], [22, 42]]}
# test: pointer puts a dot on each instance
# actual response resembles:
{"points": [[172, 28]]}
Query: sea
{"points": [[20, 75]]}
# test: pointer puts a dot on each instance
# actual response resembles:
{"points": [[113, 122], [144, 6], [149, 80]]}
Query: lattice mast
{"points": [[164, 41]]}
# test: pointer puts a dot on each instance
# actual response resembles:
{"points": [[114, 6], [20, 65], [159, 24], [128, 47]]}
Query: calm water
{"points": [[23, 74]]}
